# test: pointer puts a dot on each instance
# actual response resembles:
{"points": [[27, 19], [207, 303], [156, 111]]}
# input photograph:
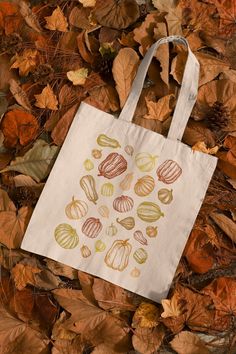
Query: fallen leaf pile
{"points": [[55, 54]]}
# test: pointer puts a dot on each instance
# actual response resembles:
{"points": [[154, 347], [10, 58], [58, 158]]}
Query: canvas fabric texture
{"points": [[121, 200]]}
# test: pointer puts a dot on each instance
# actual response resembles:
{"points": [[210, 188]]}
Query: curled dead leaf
{"points": [[201, 146], [29, 17], [226, 224], [19, 94], [146, 316]]}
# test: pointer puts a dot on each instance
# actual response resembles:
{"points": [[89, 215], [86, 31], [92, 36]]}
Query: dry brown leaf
{"points": [[46, 99], [188, 343], [61, 269], [23, 275], [148, 340], [69, 346], [79, 17], [86, 281], [124, 70], [110, 296], [226, 224], [111, 13], [6, 204], [161, 109], [195, 132], [146, 316], [23, 181], [171, 307], [104, 98], [19, 337], [84, 52], [19, 126], [9, 258], [57, 21], [29, 17], [60, 131], [229, 75], [162, 53], [232, 182], [227, 13], [173, 16], [217, 91], [26, 62], [19, 94], [88, 3], [13, 226], [201, 146]]}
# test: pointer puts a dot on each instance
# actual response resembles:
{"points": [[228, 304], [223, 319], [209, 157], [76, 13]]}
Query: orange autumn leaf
{"points": [[10, 20], [26, 62], [161, 109], [23, 274], [171, 307], [146, 316], [227, 13], [19, 126], [13, 226], [57, 21], [46, 99], [201, 146], [188, 343]]}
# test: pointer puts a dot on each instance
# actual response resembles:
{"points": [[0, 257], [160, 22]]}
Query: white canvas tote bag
{"points": [[121, 200]]}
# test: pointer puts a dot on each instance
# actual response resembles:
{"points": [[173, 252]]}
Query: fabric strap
{"points": [[187, 95]]}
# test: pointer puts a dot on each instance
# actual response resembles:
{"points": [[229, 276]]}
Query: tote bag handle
{"points": [[187, 95]]}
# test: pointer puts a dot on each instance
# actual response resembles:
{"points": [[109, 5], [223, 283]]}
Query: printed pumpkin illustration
{"points": [[138, 236], [76, 209], [105, 141], [85, 251], [144, 186], [97, 154], [135, 272], [87, 183], [169, 171], [107, 189], [123, 204], [88, 165], [113, 166], [165, 195], [66, 236], [117, 257], [149, 212], [145, 161], [92, 227], [111, 230], [125, 184], [140, 255], [129, 150], [104, 211], [100, 246], [128, 223], [151, 231]]}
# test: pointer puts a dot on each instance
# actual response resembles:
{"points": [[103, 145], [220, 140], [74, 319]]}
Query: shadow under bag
{"points": [[121, 200]]}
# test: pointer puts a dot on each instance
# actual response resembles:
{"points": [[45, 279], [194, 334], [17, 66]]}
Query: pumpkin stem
{"points": [[73, 198], [126, 241]]}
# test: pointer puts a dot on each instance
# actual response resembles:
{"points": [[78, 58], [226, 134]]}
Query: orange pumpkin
{"points": [[169, 171], [118, 255], [123, 204]]}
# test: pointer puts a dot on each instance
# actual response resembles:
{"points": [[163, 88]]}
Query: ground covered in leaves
{"points": [[55, 54]]}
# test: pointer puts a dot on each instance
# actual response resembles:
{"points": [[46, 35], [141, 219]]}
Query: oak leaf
{"points": [[146, 316], [227, 13], [57, 21], [161, 109], [24, 274], [173, 16], [19, 126], [187, 342], [19, 94], [26, 62], [111, 13], [124, 70], [171, 307], [78, 77], [46, 99], [13, 226]]}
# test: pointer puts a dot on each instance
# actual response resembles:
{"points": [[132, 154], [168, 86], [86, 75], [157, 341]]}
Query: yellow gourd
{"points": [[107, 189], [105, 141], [104, 211], [140, 255], [165, 195], [76, 209], [145, 161], [149, 212], [151, 231], [144, 186], [125, 184], [100, 246], [128, 223], [66, 236], [85, 251], [87, 183], [111, 230], [117, 257], [97, 154], [88, 165]]}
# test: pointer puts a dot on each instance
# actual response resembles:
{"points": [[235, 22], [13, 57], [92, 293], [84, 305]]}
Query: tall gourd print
{"points": [[117, 257]]}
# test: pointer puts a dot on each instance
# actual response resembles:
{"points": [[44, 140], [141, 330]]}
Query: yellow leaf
{"points": [[46, 99], [146, 316], [78, 77], [171, 308], [201, 146], [25, 62], [57, 21], [88, 3]]}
